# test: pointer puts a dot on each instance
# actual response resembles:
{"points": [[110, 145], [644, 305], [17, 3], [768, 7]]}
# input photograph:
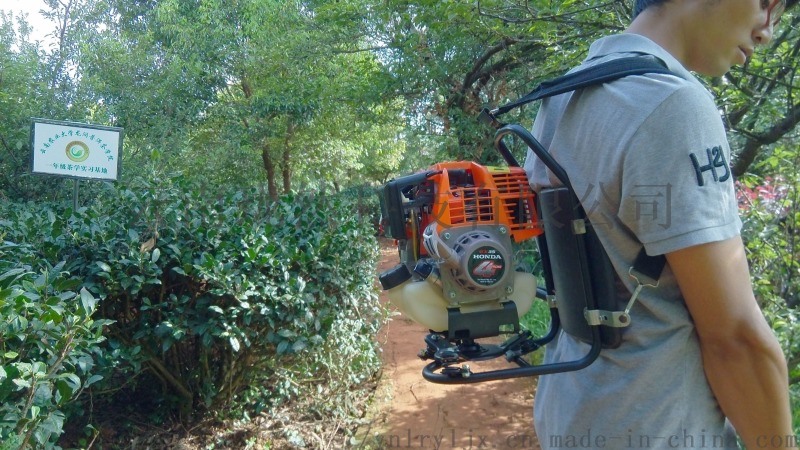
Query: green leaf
{"points": [[155, 255], [9, 293], [22, 383], [92, 380], [88, 302], [64, 391], [39, 369], [282, 347], [66, 284], [53, 424], [7, 374], [11, 273], [72, 379], [133, 235], [40, 281], [286, 333], [53, 314]]}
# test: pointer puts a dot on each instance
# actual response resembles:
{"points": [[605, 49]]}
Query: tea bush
{"points": [[48, 345], [207, 296]]}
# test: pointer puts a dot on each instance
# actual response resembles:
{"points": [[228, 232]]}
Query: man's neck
{"points": [[663, 24]]}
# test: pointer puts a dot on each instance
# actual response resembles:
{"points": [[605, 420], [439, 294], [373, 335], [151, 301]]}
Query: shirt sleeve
{"points": [[677, 187]]}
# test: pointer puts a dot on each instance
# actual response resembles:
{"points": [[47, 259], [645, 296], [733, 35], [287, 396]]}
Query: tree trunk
{"points": [[269, 166], [287, 171], [62, 44], [287, 157]]}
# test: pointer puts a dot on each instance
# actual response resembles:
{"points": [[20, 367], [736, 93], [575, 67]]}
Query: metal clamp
{"points": [[579, 226], [639, 286], [615, 319], [618, 319]]}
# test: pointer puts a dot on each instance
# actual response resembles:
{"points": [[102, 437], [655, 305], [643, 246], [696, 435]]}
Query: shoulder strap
{"points": [[646, 266], [597, 74]]}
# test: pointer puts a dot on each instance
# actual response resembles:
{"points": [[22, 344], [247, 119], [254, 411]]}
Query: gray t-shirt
{"points": [[648, 157]]}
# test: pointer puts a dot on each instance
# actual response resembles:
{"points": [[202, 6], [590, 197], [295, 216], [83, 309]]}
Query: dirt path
{"points": [[410, 412]]}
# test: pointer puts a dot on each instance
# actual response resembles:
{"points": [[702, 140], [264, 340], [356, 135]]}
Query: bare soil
{"points": [[410, 412]]}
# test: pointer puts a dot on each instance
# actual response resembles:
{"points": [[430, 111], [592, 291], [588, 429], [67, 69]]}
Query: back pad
{"points": [[583, 277]]}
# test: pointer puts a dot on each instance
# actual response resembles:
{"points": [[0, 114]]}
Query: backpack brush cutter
{"points": [[457, 225]]}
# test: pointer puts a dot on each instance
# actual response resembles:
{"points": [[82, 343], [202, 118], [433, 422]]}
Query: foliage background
{"points": [[241, 112]]}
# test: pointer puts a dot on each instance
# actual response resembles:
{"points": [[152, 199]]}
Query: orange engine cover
{"points": [[466, 193]]}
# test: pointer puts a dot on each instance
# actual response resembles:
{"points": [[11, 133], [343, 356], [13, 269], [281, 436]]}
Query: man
{"points": [[648, 156]]}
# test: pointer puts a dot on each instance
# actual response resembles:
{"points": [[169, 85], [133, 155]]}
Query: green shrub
{"points": [[367, 202], [48, 344], [214, 294]]}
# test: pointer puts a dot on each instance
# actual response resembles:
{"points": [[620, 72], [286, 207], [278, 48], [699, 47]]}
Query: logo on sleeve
{"points": [[717, 165]]}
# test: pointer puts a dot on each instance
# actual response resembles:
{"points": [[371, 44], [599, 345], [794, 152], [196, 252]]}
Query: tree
{"points": [[761, 100], [218, 78], [23, 95], [151, 80], [452, 58]]}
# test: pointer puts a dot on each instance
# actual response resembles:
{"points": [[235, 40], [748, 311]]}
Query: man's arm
{"points": [[742, 359]]}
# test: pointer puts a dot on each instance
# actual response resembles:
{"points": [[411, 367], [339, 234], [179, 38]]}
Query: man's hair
{"points": [[641, 5]]}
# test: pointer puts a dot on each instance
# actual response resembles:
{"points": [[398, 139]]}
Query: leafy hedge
{"points": [[210, 293], [48, 344]]}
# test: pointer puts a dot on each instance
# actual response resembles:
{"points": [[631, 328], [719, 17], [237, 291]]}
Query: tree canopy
{"points": [[304, 94]]}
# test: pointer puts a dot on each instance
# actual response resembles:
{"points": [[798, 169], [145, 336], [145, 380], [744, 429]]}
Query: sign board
{"points": [[76, 150]]}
